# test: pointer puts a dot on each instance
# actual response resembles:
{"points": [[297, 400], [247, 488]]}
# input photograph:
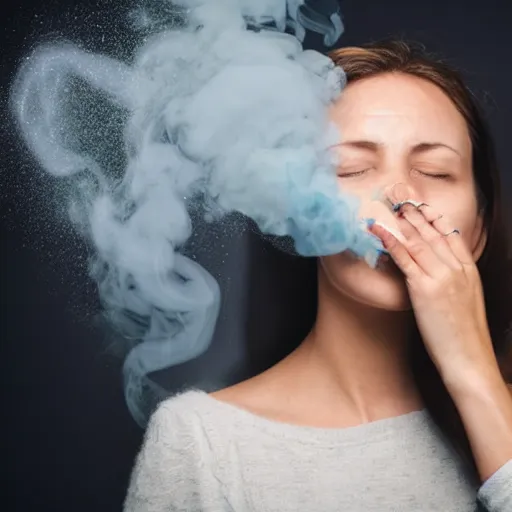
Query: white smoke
{"points": [[220, 118]]}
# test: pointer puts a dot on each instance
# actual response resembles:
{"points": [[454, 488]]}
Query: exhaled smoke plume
{"points": [[226, 113]]}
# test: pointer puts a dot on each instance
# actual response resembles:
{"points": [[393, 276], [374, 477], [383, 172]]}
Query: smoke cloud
{"points": [[225, 112]]}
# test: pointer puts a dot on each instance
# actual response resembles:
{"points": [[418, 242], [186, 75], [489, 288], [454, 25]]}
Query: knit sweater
{"points": [[202, 454]]}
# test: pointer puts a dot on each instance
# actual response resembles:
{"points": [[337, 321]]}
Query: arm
{"points": [[166, 476], [484, 402], [447, 296]]}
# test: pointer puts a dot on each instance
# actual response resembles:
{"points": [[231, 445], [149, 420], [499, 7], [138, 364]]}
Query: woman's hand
{"points": [[447, 298], [444, 288]]}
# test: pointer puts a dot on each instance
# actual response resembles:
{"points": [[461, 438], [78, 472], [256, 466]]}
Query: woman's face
{"points": [[397, 128]]}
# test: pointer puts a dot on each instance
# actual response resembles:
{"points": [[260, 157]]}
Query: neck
{"points": [[357, 358]]}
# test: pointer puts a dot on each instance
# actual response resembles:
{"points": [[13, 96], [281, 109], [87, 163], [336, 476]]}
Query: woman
{"points": [[398, 398]]}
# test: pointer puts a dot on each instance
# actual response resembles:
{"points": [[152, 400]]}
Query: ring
{"points": [[399, 205], [456, 231]]}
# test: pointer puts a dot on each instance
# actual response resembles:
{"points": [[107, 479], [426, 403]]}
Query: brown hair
{"points": [[495, 264]]}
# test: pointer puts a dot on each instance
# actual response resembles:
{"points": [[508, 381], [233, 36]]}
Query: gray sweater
{"points": [[201, 454]]}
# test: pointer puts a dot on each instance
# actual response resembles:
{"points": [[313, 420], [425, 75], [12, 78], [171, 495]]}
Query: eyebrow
{"points": [[422, 147]]}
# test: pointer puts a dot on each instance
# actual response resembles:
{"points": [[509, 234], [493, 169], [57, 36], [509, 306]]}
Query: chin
{"points": [[383, 287]]}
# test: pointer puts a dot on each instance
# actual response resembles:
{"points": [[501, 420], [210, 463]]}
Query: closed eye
{"points": [[434, 176], [352, 174], [359, 173]]}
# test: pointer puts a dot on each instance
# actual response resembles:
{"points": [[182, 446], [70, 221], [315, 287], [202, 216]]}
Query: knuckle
{"points": [[417, 247], [434, 238]]}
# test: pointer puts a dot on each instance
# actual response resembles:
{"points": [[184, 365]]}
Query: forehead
{"points": [[401, 108]]}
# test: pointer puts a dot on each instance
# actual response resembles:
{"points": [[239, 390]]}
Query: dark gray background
{"points": [[69, 442]]}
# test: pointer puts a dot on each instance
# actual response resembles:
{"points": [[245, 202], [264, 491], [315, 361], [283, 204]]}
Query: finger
{"points": [[442, 224], [429, 256], [421, 251], [430, 234], [397, 251]]}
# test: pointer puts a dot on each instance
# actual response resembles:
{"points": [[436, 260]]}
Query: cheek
{"points": [[360, 188], [467, 222], [373, 203]]}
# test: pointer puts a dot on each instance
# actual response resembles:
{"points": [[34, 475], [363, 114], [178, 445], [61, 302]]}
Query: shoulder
{"points": [[179, 405], [260, 395], [174, 416], [188, 419], [174, 465], [173, 442]]}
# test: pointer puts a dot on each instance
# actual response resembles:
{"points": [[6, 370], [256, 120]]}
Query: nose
{"points": [[399, 192], [395, 185]]}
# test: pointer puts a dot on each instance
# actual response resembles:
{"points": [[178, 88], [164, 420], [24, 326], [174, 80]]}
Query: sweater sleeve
{"points": [[496, 492], [169, 471]]}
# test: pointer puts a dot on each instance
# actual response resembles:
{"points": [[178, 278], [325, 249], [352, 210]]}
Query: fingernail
{"points": [[370, 222], [396, 234]]}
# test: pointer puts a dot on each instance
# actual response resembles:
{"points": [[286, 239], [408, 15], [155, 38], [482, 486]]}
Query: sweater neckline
{"points": [[373, 430]]}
